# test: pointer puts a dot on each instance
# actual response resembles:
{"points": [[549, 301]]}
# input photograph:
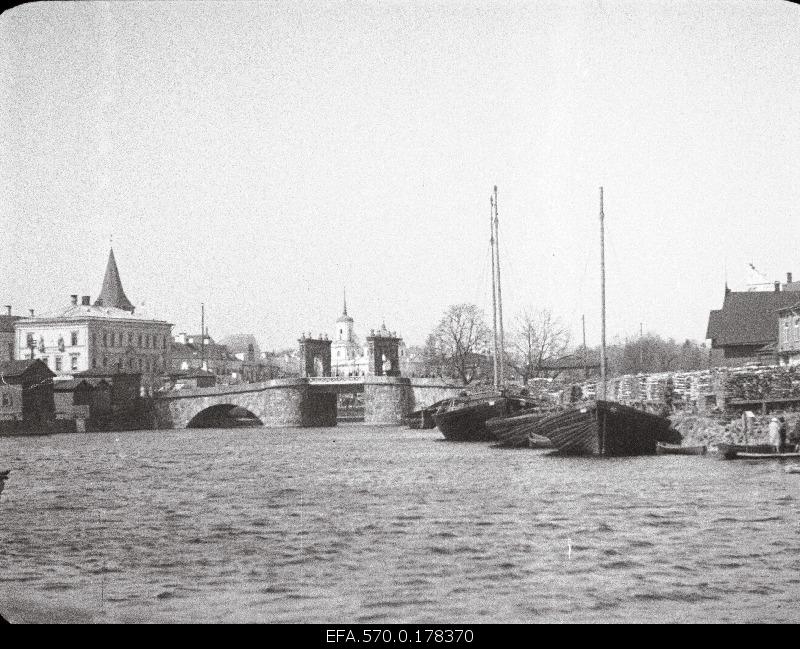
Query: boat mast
{"points": [[202, 335], [501, 380], [602, 302], [494, 290]]}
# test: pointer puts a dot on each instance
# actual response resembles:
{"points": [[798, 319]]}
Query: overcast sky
{"points": [[261, 156]]}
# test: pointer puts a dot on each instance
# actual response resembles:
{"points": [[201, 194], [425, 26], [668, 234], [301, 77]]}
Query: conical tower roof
{"points": [[344, 317], [112, 295]]}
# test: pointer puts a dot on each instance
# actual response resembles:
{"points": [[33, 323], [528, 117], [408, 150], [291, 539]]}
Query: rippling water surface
{"points": [[361, 524]]}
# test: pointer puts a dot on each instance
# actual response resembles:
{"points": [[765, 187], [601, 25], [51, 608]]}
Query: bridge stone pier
{"points": [[306, 402]]}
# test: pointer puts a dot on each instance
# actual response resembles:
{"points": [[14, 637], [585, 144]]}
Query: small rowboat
{"points": [[677, 449], [756, 452], [795, 468], [766, 456]]}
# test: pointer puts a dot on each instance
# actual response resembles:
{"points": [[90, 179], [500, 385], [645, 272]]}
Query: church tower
{"points": [[344, 325]]}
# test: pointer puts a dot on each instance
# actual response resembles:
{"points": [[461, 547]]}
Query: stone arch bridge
{"points": [[307, 401]]}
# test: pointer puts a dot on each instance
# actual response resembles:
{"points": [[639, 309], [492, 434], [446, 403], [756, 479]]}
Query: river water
{"points": [[379, 525]]}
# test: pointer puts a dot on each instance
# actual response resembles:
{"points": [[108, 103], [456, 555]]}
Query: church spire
{"points": [[112, 294], [344, 310]]}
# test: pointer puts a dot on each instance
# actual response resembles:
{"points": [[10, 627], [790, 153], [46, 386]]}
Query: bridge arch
{"points": [[224, 415]]}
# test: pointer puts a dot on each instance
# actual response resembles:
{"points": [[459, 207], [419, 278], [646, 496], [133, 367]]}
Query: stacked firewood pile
{"points": [[630, 388], [658, 388], [759, 383]]}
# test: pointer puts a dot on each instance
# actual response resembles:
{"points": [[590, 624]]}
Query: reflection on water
{"points": [[366, 524]]}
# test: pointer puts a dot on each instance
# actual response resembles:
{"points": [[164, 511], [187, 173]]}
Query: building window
{"points": [[105, 361], [74, 362], [140, 340], [58, 363], [46, 360], [130, 363], [29, 341], [130, 338], [94, 340], [105, 339], [74, 338], [6, 400], [94, 362], [147, 340], [141, 364], [61, 343]]}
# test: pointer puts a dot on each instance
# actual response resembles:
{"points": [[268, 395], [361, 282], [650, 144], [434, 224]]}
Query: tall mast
{"points": [[585, 362], [602, 302], [499, 291], [494, 291], [202, 335]]}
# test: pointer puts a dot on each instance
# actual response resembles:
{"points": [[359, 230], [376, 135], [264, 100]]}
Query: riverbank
{"points": [[716, 429]]}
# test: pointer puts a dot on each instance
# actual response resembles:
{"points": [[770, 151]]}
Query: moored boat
{"points": [[463, 419], [514, 431], [606, 428], [677, 449], [423, 418], [752, 452], [794, 468]]}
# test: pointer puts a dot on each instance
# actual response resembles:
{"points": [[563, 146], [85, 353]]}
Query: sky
{"points": [[259, 157]]}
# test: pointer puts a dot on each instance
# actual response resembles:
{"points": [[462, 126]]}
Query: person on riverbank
{"points": [[784, 431], [794, 437], [775, 434]]}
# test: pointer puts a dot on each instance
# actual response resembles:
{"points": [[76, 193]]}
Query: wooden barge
{"points": [[606, 428]]}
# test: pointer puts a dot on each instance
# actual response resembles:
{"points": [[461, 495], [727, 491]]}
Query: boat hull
{"points": [[514, 431], [467, 422], [673, 449], [754, 452], [606, 428], [732, 451]]}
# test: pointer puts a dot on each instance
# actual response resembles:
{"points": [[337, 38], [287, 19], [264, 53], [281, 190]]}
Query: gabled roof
{"points": [[18, 368], [112, 295], [748, 317]]}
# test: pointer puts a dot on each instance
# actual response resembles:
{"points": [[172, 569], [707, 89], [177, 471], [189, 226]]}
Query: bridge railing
{"points": [[336, 379]]}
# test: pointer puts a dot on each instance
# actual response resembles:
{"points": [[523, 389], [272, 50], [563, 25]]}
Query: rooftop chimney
{"points": [[31, 310], [74, 299], [85, 300], [777, 287], [8, 309], [788, 278]]}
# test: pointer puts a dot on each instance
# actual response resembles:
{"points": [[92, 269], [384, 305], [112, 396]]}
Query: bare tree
{"points": [[456, 347], [537, 337]]}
